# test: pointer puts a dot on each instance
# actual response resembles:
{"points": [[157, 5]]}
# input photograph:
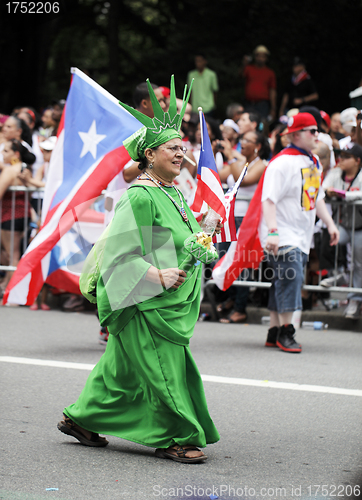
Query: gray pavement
{"points": [[276, 443]]}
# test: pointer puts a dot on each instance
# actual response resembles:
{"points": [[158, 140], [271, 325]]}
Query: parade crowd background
{"points": [[112, 42], [258, 120]]}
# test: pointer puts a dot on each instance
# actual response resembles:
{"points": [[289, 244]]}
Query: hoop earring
{"points": [[150, 165]]}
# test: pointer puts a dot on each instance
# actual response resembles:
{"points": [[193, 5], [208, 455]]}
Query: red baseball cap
{"points": [[298, 122], [165, 91], [325, 116]]}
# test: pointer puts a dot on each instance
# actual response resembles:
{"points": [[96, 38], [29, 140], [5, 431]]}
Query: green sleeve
{"points": [[127, 258]]}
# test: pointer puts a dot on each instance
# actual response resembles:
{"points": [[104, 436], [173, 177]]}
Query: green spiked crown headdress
{"points": [[158, 130]]}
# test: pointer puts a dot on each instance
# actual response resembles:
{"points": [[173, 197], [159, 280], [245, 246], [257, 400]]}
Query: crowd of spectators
{"points": [[239, 139], [27, 139], [244, 139], [251, 130]]}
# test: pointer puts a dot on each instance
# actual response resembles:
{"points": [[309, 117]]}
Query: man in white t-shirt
{"points": [[292, 196]]}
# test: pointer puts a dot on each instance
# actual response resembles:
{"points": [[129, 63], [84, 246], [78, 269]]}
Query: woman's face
{"points": [[245, 125], [167, 159], [11, 130], [249, 144], [8, 153]]}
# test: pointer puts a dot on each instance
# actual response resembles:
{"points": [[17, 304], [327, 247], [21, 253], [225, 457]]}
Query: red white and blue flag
{"points": [[247, 252], [209, 192], [68, 255], [228, 231], [88, 154]]}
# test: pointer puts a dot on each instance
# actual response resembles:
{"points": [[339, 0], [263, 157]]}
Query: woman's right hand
{"points": [[172, 277]]}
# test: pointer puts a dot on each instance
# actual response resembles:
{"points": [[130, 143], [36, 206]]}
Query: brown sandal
{"points": [[225, 306], [180, 454], [228, 320], [67, 426]]}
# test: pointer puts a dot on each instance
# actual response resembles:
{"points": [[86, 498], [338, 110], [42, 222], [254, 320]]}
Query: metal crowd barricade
{"points": [[258, 283], [27, 222]]}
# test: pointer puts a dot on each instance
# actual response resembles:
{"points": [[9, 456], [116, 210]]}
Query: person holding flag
{"points": [[292, 197], [146, 387], [280, 221]]}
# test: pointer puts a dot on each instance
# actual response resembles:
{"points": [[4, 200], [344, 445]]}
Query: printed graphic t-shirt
{"points": [[293, 183]]}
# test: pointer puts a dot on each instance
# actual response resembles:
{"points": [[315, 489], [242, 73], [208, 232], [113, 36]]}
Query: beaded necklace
{"points": [[180, 209]]}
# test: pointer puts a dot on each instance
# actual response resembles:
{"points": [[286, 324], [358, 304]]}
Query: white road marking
{"points": [[205, 378]]}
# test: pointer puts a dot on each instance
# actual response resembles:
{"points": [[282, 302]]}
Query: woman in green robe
{"points": [[146, 387]]}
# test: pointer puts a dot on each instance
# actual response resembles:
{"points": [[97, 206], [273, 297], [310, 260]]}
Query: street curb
{"points": [[334, 318]]}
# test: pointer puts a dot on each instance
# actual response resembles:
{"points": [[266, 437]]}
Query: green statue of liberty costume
{"points": [[146, 387]]}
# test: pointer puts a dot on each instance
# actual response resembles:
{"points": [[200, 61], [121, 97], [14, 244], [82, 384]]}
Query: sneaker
{"points": [[286, 340], [338, 280], [353, 309], [103, 339], [271, 340]]}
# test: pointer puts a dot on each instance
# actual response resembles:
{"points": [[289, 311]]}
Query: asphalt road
{"points": [[278, 441]]}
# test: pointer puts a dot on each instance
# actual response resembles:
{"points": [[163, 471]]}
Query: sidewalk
{"points": [[334, 318]]}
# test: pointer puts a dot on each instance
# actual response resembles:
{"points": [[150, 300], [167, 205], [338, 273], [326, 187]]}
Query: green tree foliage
{"points": [[120, 43]]}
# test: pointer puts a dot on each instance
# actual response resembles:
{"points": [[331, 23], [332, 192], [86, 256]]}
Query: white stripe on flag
{"points": [[219, 271], [55, 174], [208, 177], [17, 294]]}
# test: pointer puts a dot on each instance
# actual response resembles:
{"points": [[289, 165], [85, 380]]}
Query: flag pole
{"points": [[190, 161], [240, 178], [202, 135]]}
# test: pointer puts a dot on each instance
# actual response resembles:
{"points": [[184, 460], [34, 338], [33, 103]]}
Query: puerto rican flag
{"points": [[209, 192], [68, 255], [247, 252], [228, 231], [88, 154]]}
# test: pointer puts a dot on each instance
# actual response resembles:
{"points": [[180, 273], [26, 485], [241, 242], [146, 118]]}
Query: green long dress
{"points": [[146, 387]]}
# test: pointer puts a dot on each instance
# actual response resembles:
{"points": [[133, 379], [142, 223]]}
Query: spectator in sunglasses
{"points": [[291, 200]]}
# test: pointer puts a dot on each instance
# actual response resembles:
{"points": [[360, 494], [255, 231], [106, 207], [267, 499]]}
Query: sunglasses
{"points": [[313, 131]]}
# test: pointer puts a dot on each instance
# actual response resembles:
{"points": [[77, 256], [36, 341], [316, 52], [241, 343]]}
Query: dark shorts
{"points": [[19, 225]]}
